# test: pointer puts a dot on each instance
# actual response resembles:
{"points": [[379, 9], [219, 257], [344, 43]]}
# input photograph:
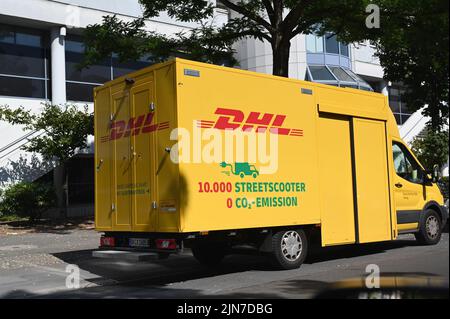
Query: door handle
{"points": [[399, 185]]}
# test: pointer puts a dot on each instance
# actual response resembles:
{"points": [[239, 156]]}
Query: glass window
{"points": [[311, 43], [29, 40], [395, 106], [332, 45], [319, 44], [97, 74], [23, 62], [341, 74], [314, 44], [398, 105], [22, 54], [354, 75], [362, 83], [80, 83], [321, 73], [405, 165], [307, 77], [344, 49], [6, 34], [80, 92], [23, 87]]}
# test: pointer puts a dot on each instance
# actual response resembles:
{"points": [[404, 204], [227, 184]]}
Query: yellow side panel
{"points": [[142, 157], [219, 197], [168, 194], [353, 102], [372, 181], [103, 162], [336, 183], [122, 162]]}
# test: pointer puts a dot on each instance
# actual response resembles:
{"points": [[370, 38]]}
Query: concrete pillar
{"points": [[58, 80], [58, 62]]}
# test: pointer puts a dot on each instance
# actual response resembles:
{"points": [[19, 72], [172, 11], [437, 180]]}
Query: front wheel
{"points": [[430, 228], [289, 249]]}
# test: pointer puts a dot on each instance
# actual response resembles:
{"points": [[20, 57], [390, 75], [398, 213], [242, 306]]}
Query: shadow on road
{"points": [[321, 254], [119, 279]]}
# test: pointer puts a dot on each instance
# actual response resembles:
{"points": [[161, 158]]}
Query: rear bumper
{"points": [[122, 242]]}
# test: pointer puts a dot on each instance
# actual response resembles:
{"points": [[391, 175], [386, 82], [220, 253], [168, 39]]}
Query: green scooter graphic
{"points": [[241, 169]]}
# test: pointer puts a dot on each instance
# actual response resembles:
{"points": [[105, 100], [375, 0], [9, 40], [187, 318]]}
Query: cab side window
{"points": [[405, 165]]}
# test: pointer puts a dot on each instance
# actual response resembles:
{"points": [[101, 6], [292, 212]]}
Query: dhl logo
{"points": [[135, 126], [231, 119]]}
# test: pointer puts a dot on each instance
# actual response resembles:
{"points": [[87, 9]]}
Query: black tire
{"points": [[430, 228], [283, 258], [209, 254]]}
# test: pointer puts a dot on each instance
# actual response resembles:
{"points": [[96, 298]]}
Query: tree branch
{"points": [[242, 10], [270, 11], [294, 15]]}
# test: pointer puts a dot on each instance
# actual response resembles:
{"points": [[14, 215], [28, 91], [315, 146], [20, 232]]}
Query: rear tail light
{"points": [[166, 244], [107, 242]]}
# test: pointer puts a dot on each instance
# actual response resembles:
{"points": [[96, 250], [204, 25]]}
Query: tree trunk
{"points": [[280, 51], [59, 181]]}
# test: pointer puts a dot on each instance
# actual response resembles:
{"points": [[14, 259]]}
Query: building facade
{"points": [[40, 47]]}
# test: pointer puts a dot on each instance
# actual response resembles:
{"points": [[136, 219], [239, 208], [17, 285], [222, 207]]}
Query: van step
{"points": [[124, 255]]}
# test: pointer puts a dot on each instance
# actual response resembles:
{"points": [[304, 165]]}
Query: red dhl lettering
{"points": [[135, 126], [231, 119]]}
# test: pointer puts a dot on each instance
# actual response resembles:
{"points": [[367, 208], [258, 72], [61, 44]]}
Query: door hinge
{"points": [[152, 107], [154, 205], [113, 207]]}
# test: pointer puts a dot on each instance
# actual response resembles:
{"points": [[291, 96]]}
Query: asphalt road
{"points": [[34, 266]]}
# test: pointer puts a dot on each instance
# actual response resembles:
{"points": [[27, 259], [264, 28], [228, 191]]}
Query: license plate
{"points": [[139, 242]]}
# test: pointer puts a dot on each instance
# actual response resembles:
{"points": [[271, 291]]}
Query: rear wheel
{"points": [[209, 254], [289, 248], [430, 228]]}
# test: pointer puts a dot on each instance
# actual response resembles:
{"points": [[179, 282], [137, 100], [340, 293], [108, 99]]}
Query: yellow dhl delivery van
{"points": [[207, 157]]}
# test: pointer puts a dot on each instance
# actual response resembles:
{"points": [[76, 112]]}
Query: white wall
{"points": [[364, 61], [255, 55]]}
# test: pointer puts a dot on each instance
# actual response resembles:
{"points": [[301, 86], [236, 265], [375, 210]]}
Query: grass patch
{"points": [[11, 218]]}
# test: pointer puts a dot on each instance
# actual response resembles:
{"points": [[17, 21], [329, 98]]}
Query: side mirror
{"points": [[436, 173]]}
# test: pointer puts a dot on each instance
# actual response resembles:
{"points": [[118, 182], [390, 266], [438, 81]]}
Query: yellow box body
{"points": [[333, 165]]}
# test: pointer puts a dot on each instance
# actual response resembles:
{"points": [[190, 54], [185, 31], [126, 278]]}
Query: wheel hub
{"points": [[291, 245], [432, 227]]}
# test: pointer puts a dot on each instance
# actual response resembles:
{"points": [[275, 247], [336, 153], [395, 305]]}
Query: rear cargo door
{"points": [[143, 157], [104, 162], [372, 180], [122, 218]]}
